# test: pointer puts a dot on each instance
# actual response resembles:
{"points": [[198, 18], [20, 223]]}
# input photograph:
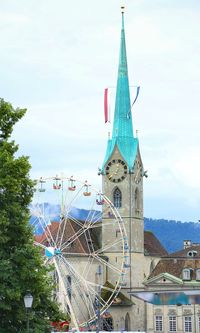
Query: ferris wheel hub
{"points": [[51, 251]]}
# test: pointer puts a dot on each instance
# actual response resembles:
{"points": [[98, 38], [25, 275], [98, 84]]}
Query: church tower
{"points": [[122, 170], [122, 178]]}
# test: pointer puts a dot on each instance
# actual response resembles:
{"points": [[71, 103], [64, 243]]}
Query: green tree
{"points": [[21, 263]]}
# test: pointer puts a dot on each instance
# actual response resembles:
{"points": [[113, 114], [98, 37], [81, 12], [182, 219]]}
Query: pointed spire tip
{"points": [[122, 9]]}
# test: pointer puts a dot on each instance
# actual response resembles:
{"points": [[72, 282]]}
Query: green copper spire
{"points": [[122, 134], [122, 126]]}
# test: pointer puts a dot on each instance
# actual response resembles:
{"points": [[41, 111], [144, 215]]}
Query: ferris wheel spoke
{"points": [[46, 231], [40, 245], [91, 214], [82, 280], [76, 284], [72, 269], [88, 265], [66, 212], [96, 294], [72, 313], [41, 218], [74, 237], [89, 284], [84, 291], [34, 221], [79, 284], [108, 246], [84, 229], [90, 292], [107, 264]]}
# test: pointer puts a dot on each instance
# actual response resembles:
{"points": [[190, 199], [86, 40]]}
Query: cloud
{"points": [[57, 60]]}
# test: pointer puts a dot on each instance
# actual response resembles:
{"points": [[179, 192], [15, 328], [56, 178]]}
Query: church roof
{"points": [[122, 134], [152, 245], [80, 245]]}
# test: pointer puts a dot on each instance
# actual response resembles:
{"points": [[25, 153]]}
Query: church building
{"points": [[122, 182]]}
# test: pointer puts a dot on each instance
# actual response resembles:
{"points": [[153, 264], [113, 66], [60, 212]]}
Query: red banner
{"points": [[106, 105]]}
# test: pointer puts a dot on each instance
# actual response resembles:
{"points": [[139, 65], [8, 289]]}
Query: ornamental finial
{"points": [[122, 9]]}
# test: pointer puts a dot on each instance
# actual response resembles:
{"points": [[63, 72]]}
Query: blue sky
{"points": [[58, 56]]}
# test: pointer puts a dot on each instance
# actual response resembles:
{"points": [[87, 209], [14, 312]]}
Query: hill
{"points": [[172, 233]]}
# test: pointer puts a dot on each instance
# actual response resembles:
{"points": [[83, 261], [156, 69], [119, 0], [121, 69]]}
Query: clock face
{"points": [[138, 172], [116, 171]]}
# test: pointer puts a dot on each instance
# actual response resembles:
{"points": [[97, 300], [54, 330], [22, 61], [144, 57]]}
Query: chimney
{"points": [[186, 244]]}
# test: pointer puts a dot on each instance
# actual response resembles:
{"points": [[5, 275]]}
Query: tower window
{"points": [[137, 201], [117, 198]]}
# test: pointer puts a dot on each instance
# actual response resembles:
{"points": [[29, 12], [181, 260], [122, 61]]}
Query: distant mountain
{"points": [[170, 233], [45, 213]]}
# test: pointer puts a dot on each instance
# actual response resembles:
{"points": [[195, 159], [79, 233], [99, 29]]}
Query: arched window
{"points": [[137, 201], [198, 274], [127, 322], [117, 198], [122, 324], [186, 274]]}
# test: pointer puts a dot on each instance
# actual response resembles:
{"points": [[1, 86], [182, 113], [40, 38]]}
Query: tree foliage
{"points": [[21, 263]]}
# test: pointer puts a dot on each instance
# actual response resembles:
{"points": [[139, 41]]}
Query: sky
{"points": [[56, 58]]}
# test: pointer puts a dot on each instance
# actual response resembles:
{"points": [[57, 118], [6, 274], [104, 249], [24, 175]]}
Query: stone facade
{"points": [[179, 272]]}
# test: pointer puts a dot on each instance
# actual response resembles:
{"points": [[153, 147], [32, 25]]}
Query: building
{"points": [[122, 182], [122, 175], [178, 272]]}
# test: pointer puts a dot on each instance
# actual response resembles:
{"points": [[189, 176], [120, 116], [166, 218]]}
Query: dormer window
{"points": [[186, 274], [192, 253], [198, 274]]}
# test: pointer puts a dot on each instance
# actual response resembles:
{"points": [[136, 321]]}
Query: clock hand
{"points": [[116, 172]]}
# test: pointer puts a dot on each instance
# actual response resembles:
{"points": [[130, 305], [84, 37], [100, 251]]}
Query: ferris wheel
{"points": [[80, 231]]}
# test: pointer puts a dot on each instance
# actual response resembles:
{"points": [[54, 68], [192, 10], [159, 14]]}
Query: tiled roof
{"points": [[175, 267], [186, 253], [152, 245], [67, 231]]}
